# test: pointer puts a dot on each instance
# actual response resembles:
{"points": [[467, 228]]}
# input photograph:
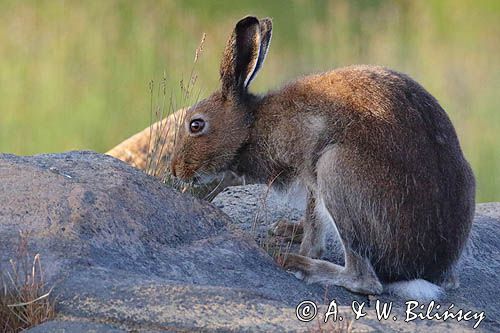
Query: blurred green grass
{"points": [[74, 75]]}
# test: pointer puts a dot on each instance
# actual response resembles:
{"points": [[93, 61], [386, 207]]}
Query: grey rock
{"points": [[63, 326], [125, 252], [123, 249]]}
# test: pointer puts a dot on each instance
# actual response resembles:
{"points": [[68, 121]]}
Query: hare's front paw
{"points": [[299, 265]]}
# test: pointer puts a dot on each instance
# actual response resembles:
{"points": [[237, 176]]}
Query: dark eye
{"points": [[196, 125]]}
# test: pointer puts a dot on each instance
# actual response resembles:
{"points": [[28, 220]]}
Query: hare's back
{"points": [[377, 107]]}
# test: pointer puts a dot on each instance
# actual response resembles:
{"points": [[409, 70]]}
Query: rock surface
{"points": [[126, 253]]}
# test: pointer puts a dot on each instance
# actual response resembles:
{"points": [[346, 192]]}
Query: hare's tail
{"points": [[418, 290]]}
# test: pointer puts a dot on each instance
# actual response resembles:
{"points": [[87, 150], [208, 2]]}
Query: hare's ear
{"points": [[241, 57], [266, 28]]}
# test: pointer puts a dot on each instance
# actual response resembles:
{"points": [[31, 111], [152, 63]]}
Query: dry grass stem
{"points": [[24, 298], [163, 132]]}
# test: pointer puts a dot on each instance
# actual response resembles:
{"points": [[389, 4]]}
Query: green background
{"points": [[75, 74]]}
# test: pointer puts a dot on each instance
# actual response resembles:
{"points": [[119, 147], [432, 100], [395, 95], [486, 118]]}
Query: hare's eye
{"points": [[196, 125]]}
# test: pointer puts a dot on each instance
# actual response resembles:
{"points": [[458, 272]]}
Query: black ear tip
{"points": [[247, 21], [267, 23], [267, 20]]}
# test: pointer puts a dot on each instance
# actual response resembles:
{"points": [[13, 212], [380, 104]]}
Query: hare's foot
{"points": [[358, 276], [289, 230]]}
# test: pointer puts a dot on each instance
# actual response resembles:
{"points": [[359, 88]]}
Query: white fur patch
{"points": [[418, 290], [205, 178], [299, 275], [295, 196], [323, 213], [316, 124]]}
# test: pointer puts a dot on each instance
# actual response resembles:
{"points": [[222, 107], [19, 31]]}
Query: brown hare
{"points": [[377, 154]]}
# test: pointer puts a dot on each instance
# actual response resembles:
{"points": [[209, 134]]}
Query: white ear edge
{"points": [[267, 48], [250, 75]]}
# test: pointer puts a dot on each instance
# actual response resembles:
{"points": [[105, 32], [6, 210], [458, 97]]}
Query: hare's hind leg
{"points": [[357, 275]]}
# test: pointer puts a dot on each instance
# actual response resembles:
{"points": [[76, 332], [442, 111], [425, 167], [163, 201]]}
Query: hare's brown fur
{"points": [[377, 153]]}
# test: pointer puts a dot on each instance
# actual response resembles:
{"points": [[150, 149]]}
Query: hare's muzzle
{"points": [[180, 170]]}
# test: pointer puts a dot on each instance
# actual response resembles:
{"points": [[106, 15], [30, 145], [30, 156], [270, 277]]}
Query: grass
{"points": [[165, 104], [345, 326], [75, 74], [24, 296]]}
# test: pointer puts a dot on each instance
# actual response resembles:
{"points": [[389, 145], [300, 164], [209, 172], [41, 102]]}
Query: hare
{"points": [[377, 154]]}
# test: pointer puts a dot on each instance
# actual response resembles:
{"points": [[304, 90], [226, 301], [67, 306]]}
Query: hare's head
{"points": [[215, 129]]}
